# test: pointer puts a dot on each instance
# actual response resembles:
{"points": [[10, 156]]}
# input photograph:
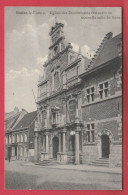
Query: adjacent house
{"points": [[11, 120], [20, 139]]}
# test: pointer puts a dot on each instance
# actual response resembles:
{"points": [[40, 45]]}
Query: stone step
{"points": [[71, 160], [100, 162], [48, 162]]}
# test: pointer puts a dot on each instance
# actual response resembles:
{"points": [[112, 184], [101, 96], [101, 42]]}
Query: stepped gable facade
{"points": [[79, 102]]}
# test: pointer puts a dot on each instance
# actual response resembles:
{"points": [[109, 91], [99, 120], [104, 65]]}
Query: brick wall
{"points": [[116, 155], [102, 110], [114, 84], [90, 153], [104, 113]]}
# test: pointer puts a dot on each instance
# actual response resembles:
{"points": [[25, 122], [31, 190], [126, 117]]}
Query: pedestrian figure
{"points": [[9, 156]]}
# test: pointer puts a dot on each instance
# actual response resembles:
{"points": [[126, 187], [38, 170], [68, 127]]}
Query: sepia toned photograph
{"points": [[63, 98]]}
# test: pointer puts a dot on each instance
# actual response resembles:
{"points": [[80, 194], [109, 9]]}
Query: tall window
{"points": [[103, 90], [21, 151], [22, 139], [90, 133], [6, 140], [44, 116], [121, 82], [18, 138], [13, 138], [25, 137], [10, 139], [55, 117], [90, 94], [56, 80], [25, 151], [72, 109]]}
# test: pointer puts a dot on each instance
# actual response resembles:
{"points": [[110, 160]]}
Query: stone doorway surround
{"points": [[55, 146], [47, 149], [99, 141], [105, 146]]}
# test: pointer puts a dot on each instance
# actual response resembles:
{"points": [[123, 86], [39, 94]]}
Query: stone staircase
{"points": [[104, 162], [49, 162]]}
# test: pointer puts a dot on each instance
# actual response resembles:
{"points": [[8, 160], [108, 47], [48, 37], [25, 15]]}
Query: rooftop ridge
{"points": [[107, 37]]}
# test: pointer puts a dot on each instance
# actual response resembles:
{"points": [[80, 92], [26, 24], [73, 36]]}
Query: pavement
{"points": [[81, 167], [25, 175]]}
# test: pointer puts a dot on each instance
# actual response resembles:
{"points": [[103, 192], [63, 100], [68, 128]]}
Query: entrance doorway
{"points": [[105, 146], [71, 151], [55, 144], [9, 151], [72, 143]]}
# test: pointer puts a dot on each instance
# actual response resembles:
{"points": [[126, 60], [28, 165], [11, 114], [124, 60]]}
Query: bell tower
{"points": [[57, 42]]}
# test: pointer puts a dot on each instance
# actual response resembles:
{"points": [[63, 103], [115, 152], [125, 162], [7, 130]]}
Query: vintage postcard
{"points": [[63, 98]]}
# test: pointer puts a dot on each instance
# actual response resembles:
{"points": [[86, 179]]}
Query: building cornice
{"points": [[46, 63], [42, 82], [60, 92], [17, 130], [72, 64], [59, 39], [100, 101], [93, 70]]}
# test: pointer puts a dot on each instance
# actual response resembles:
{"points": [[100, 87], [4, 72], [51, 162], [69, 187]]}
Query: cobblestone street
{"points": [[18, 176]]}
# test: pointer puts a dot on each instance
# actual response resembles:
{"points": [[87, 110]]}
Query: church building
{"points": [[79, 108]]}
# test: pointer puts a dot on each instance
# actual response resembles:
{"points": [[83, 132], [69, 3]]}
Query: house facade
{"points": [[11, 120], [20, 139], [79, 113]]}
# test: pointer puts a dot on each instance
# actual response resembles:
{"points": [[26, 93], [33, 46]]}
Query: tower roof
{"points": [[54, 28]]}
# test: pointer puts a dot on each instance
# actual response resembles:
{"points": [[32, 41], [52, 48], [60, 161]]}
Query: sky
{"points": [[27, 40]]}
